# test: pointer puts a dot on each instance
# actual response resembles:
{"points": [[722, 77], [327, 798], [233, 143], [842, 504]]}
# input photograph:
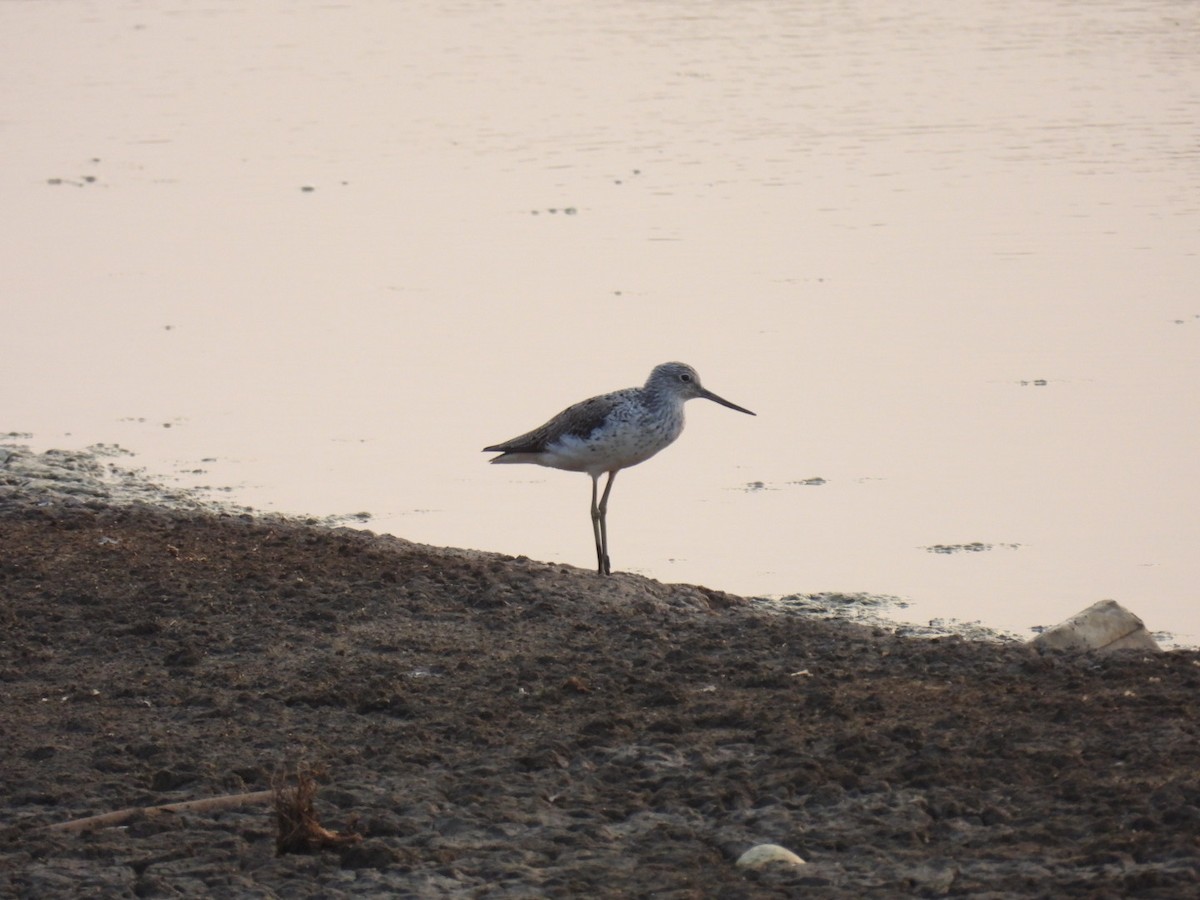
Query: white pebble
{"points": [[764, 854]]}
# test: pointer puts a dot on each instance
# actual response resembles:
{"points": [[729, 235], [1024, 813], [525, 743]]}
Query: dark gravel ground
{"points": [[504, 728]]}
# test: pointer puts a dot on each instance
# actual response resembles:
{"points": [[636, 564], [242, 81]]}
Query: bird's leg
{"points": [[601, 558], [603, 510]]}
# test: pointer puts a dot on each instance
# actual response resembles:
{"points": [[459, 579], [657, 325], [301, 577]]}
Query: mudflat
{"points": [[499, 727]]}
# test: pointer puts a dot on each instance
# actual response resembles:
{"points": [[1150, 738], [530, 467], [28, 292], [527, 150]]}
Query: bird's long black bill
{"points": [[709, 395]]}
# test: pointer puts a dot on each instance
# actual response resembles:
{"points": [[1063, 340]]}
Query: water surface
{"points": [[322, 253]]}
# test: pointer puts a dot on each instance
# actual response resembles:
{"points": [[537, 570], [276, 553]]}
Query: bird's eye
{"points": [[685, 377]]}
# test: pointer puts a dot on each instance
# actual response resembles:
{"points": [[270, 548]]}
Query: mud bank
{"points": [[500, 727]]}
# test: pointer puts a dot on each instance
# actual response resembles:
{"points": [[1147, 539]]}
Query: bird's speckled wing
{"points": [[578, 420]]}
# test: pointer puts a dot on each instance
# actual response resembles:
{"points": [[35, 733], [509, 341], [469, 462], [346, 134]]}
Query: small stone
{"points": [[765, 854]]}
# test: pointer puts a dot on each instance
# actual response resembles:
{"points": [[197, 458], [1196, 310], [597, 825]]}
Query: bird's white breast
{"points": [[623, 440]]}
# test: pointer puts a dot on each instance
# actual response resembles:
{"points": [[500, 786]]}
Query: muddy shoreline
{"points": [[495, 726]]}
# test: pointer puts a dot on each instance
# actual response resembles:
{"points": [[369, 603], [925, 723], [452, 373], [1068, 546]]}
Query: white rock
{"points": [[764, 854], [1102, 626]]}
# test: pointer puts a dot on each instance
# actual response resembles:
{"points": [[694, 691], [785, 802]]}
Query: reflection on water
{"points": [[324, 253]]}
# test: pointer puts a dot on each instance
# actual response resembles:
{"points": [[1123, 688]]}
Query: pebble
{"points": [[765, 854]]}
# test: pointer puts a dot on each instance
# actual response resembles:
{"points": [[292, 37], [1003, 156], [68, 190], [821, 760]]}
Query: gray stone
{"points": [[1105, 626]]}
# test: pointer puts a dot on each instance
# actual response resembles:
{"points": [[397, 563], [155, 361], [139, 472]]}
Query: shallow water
{"points": [[321, 254]]}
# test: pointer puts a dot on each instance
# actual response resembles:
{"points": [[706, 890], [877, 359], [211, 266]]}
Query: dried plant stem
{"points": [[206, 804], [297, 828]]}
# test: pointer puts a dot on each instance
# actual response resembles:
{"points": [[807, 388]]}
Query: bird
{"points": [[611, 432]]}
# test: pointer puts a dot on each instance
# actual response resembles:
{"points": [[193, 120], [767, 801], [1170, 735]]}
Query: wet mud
{"points": [[499, 727]]}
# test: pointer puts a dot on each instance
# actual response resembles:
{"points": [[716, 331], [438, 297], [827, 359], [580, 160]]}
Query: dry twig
{"points": [[297, 828], [120, 816]]}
